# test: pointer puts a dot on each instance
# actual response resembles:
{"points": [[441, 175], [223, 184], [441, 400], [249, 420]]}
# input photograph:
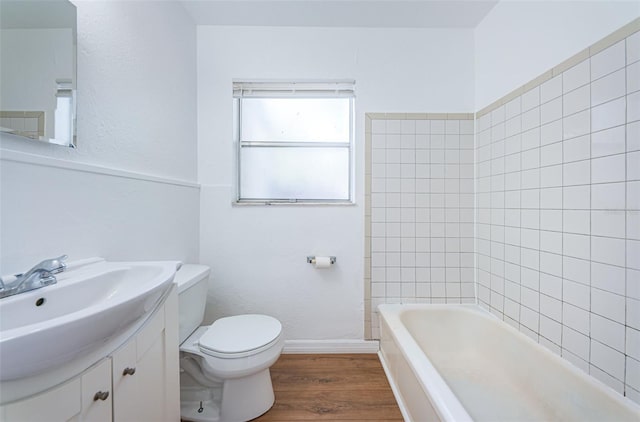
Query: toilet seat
{"points": [[240, 336]]}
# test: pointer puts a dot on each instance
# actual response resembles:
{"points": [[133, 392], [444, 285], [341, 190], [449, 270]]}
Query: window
{"points": [[295, 141]]}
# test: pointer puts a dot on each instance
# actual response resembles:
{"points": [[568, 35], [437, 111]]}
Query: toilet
{"points": [[224, 367]]}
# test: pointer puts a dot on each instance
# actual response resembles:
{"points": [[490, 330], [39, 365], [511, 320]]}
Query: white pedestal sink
{"points": [[93, 302]]}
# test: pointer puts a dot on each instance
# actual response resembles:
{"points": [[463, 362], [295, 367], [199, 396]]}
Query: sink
{"points": [[92, 302]]}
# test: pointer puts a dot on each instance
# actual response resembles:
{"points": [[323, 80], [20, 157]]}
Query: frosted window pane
{"points": [[294, 173], [295, 119]]}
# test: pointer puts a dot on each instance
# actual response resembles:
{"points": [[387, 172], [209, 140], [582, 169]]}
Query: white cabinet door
{"points": [[139, 375], [62, 403], [97, 393]]}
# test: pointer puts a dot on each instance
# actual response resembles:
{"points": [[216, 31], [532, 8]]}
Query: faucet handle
{"points": [[61, 265], [53, 265]]}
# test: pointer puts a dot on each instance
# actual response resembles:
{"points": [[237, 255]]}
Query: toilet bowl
{"points": [[224, 367]]}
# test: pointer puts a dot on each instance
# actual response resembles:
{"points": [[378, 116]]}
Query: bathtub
{"points": [[460, 363]]}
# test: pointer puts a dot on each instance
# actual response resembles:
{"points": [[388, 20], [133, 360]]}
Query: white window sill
{"points": [[289, 204]]}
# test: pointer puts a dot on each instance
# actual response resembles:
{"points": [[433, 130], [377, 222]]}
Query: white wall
{"points": [[519, 40], [257, 253], [136, 112]]}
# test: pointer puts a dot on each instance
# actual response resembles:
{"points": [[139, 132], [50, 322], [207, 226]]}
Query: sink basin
{"points": [[92, 302]]}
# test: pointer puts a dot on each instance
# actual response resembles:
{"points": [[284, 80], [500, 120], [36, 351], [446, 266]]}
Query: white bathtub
{"points": [[460, 363]]}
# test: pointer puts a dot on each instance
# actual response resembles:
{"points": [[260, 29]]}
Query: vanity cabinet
{"points": [[84, 398], [138, 382]]}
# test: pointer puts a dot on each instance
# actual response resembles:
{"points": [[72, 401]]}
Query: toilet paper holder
{"points": [[312, 259]]}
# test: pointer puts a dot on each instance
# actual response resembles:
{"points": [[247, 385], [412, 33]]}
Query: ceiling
{"points": [[340, 13]]}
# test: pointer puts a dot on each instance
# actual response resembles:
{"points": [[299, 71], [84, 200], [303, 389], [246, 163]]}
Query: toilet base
{"points": [[242, 399], [205, 411]]}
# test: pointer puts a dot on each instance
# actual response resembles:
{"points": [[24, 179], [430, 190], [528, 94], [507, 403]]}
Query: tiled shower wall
{"points": [[419, 210], [558, 210]]}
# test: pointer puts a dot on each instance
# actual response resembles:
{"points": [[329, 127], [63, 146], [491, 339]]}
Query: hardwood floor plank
{"points": [[340, 387]]}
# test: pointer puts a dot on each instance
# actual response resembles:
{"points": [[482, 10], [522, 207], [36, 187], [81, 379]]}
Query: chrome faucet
{"points": [[39, 276]]}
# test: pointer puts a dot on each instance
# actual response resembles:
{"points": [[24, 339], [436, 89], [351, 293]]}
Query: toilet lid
{"points": [[240, 333]]}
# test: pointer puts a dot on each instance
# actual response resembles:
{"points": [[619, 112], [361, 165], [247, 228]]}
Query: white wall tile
{"points": [[577, 149], [633, 195], [633, 343], [423, 126], [633, 106], [608, 277], [576, 246], [575, 342], [576, 125], [437, 126], [608, 169], [551, 154], [578, 173], [576, 197], [607, 359], [633, 77], [576, 100], [550, 111], [632, 374], [549, 198], [577, 76], [551, 220], [575, 318], [608, 114], [633, 48], [513, 108], [551, 132], [550, 257], [633, 254], [608, 87], [576, 269], [608, 142], [466, 127], [608, 332], [498, 116], [529, 318], [531, 119], [609, 196], [551, 307], [576, 221], [608, 305], [551, 329], [408, 126], [608, 60], [633, 165], [576, 294], [633, 313], [394, 126], [530, 99], [378, 126], [608, 223], [607, 250], [551, 89]]}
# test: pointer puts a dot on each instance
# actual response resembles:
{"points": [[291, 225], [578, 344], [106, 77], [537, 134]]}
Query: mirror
{"points": [[38, 70]]}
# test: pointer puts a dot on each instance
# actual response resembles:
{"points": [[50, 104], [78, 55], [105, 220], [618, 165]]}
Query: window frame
{"points": [[294, 90]]}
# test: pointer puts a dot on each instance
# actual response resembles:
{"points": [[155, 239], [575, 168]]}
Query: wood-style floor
{"points": [[331, 388]]}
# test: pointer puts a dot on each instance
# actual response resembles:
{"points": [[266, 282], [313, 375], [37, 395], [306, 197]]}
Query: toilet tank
{"points": [[192, 281]]}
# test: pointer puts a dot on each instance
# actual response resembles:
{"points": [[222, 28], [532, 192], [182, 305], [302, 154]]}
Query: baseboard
{"points": [[330, 346]]}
